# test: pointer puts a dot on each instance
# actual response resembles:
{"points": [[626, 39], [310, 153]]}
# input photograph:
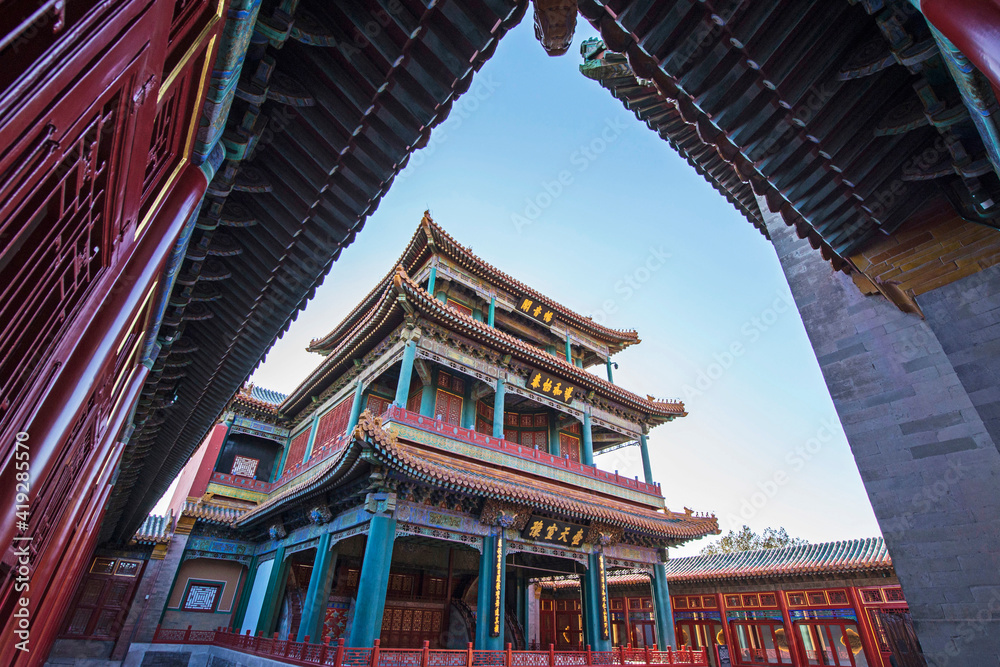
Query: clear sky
{"points": [[634, 237]]}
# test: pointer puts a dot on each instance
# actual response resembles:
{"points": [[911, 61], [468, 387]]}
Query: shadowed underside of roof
{"points": [[843, 116], [342, 117]]}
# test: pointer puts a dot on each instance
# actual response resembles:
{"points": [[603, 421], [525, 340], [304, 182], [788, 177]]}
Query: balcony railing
{"points": [[338, 655], [431, 425]]}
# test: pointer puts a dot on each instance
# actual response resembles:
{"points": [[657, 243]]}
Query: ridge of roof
{"points": [[435, 236]]}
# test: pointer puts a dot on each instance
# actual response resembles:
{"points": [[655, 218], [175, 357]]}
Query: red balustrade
{"points": [[338, 655], [431, 425]]}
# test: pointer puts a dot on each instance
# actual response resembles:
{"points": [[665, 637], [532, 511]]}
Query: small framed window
{"points": [[244, 466], [202, 597]]}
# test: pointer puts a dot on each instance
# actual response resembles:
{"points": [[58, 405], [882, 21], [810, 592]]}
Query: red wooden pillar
{"points": [[868, 642], [726, 632], [790, 631], [204, 475]]}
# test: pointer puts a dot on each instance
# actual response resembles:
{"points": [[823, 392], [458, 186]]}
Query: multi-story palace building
{"points": [[439, 456]]}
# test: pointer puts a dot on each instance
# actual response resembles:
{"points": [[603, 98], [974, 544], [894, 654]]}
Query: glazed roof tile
{"points": [[156, 529], [431, 238], [827, 558], [401, 284], [260, 398], [830, 558]]}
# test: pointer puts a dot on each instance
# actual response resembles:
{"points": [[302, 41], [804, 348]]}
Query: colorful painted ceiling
{"points": [[848, 117]]}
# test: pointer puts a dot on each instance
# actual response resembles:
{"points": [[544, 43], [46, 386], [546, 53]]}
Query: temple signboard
{"points": [[548, 385], [535, 310], [541, 529]]}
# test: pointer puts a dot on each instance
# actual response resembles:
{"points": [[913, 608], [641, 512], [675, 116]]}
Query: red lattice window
{"points": [[509, 435], [541, 419], [569, 447], [378, 405], [733, 601], [749, 600], [526, 421], [484, 427], [837, 597], [297, 450], [574, 428], [871, 595], [710, 602], [768, 600], [796, 599], [451, 382], [460, 307], [817, 598], [536, 439], [486, 411], [510, 419], [413, 402], [448, 407], [694, 603], [56, 243], [332, 425], [894, 595]]}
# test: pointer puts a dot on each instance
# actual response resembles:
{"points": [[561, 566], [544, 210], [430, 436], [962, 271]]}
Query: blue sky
{"points": [[548, 177]]}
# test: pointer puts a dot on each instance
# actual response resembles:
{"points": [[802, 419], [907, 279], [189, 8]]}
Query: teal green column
{"points": [[442, 297], [477, 314], [498, 403], [661, 607], [611, 378], [241, 608], [647, 470], [489, 602], [318, 593], [553, 433], [468, 405], [569, 350], [551, 349], [587, 442], [428, 396], [356, 404], [405, 373], [275, 593], [596, 616], [432, 279], [493, 309], [367, 622]]}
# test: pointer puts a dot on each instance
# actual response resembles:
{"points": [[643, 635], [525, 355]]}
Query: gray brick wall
{"points": [[917, 399]]}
